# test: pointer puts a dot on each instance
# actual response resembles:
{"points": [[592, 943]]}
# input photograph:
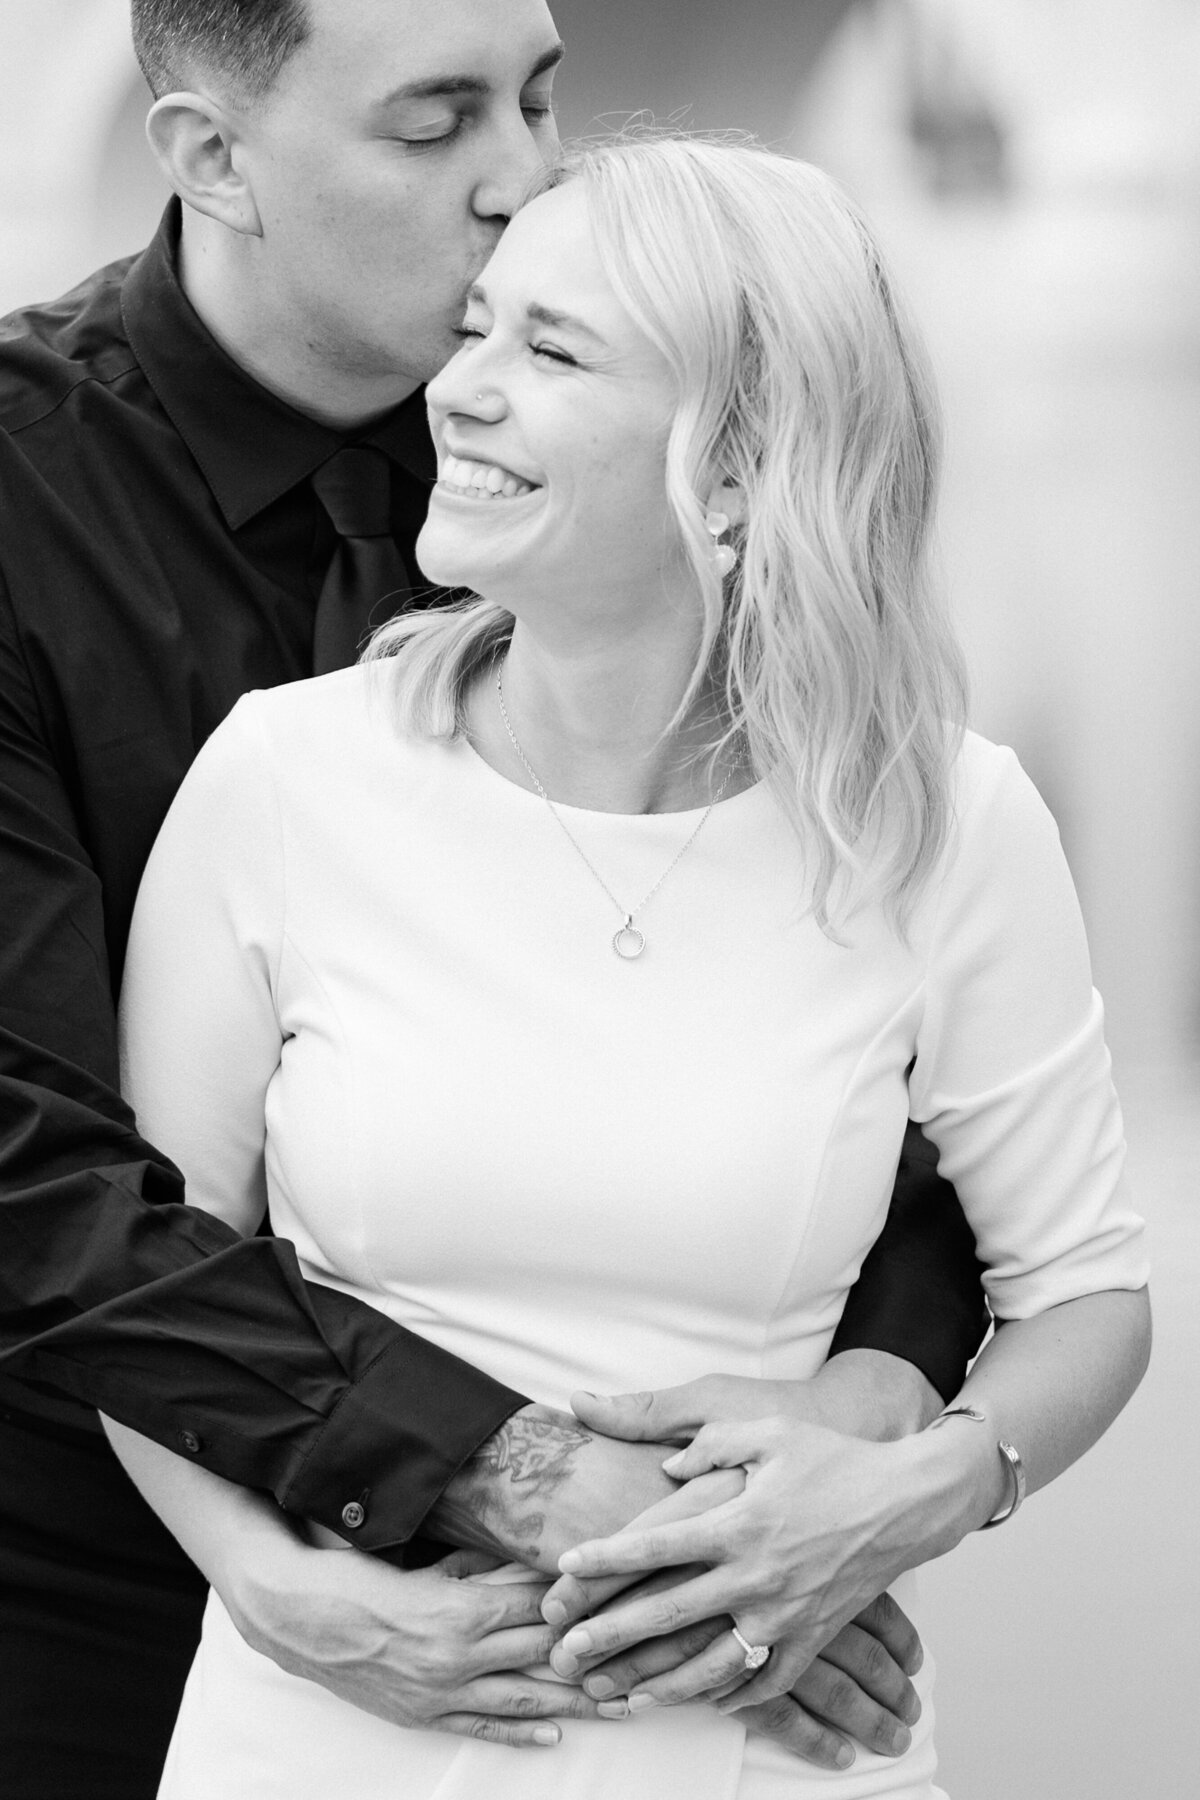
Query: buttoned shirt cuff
{"points": [[393, 1442]]}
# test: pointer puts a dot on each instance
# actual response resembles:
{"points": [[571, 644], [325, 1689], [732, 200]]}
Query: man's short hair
{"points": [[245, 41]]}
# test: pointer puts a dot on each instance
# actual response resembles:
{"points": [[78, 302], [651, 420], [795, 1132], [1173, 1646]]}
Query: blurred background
{"points": [[1034, 171]]}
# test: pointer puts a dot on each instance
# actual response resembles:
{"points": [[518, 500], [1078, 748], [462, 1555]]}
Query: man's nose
{"points": [[515, 154]]}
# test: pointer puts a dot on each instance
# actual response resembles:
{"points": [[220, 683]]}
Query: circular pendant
{"points": [[629, 941]]}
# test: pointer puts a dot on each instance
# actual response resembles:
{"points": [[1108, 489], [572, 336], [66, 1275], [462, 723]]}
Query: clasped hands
{"points": [[649, 1610], [644, 1615]]}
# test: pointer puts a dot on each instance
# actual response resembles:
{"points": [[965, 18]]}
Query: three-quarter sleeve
{"points": [[1012, 1079]]}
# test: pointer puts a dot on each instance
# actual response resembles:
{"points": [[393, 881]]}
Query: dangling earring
{"points": [[724, 555]]}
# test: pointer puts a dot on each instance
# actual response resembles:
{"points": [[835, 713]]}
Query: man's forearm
{"points": [[263, 1378], [528, 1489], [498, 1499]]}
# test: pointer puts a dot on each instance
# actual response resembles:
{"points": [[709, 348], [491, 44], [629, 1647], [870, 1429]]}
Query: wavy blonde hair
{"points": [[802, 383]]}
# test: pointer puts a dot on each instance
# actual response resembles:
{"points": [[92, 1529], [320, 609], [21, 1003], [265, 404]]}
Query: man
{"points": [[213, 468]]}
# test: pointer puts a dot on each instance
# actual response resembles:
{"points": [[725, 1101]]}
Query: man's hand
{"points": [[862, 1393], [858, 1688], [824, 1525], [544, 1482], [433, 1647]]}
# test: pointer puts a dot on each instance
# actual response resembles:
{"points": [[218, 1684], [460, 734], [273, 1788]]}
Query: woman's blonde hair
{"points": [[802, 384]]}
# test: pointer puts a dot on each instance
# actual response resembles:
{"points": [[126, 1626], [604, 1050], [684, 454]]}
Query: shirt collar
{"points": [[250, 446]]}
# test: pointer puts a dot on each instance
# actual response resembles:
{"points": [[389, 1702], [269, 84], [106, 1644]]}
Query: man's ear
{"points": [[198, 149]]}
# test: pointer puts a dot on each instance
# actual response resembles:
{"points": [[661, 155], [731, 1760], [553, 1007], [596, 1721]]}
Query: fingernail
{"points": [[901, 1739], [554, 1612], [911, 1711], [599, 1687], [844, 1757], [613, 1709], [547, 1734], [570, 1562], [674, 1462], [577, 1644], [641, 1702]]}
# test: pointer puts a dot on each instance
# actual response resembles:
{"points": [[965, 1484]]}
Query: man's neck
{"points": [[219, 286]]}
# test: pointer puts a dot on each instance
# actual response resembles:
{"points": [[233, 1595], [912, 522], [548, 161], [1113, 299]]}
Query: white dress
{"points": [[370, 985]]}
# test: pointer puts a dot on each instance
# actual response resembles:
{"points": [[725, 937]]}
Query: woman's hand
{"points": [[825, 1523], [857, 1688], [862, 1393]]}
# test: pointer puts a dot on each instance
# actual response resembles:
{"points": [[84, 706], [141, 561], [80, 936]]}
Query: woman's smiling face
{"points": [[551, 426]]}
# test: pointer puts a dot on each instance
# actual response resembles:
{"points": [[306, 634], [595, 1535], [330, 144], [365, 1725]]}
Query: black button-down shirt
{"points": [[161, 551]]}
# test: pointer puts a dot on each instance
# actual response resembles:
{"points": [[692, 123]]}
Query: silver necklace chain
{"points": [[629, 941]]}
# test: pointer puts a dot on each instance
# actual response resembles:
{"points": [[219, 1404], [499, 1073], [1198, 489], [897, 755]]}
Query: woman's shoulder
{"points": [[988, 784], [327, 719], [1003, 835], [981, 767], [320, 702]]}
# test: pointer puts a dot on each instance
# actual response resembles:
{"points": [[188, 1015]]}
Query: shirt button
{"points": [[353, 1515], [190, 1441]]}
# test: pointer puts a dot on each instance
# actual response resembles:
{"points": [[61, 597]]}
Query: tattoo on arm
{"points": [[495, 1501], [537, 1453]]}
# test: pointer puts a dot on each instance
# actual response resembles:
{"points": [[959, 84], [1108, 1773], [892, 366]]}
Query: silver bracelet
{"points": [[1012, 1462], [1016, 1468]]}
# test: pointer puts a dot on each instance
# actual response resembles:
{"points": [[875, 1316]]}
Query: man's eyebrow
{"points": [[549, 59], [433, 87], [540, 315]]}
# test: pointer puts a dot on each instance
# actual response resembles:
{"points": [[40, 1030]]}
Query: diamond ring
{"points": [[756, 1654]]}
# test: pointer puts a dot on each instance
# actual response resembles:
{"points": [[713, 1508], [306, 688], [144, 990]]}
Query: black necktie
{"points": [[355, 488]]}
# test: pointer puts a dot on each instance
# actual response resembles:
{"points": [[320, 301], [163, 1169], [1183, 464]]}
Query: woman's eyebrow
{"points": [[539, 315], [561, 321]]}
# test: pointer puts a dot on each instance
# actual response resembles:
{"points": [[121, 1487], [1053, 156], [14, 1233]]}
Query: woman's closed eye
{"points": [[469, 334], [554, 355]]}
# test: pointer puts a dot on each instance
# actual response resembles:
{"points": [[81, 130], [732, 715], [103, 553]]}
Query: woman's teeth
{"points": [[482, 481]]}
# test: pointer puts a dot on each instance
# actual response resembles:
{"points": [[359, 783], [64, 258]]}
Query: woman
{"points": [[618, 920]]}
